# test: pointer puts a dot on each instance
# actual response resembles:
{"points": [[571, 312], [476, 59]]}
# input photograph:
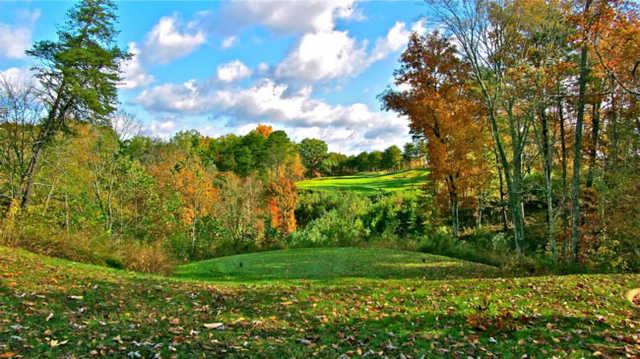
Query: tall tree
{"points": [[577, 146], [440, 109], [489, 40], [391, 158], [20, 111], [313, 153], [78, 74]]}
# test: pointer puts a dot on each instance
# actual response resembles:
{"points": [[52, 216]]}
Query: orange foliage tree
{"points": [[282, 196], [181, 174], [440, 109], [264, 130]]}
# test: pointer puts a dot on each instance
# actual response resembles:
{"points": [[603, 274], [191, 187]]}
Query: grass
{"points": [[368, 183], [324, 303], [331, 265]]}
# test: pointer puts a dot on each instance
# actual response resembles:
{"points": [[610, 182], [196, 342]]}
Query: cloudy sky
{"points": [[312, 68]]}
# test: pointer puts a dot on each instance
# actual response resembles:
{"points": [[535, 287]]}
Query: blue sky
{"points": [[312, 68]]}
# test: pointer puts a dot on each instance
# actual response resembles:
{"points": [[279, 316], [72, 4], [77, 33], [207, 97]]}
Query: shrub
{"points": [[332, 229], [443, 244], [147, 258]]}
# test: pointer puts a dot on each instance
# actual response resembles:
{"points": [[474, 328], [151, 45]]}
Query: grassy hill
{"points": [[332, 264], [368, 182], [351, 301]]}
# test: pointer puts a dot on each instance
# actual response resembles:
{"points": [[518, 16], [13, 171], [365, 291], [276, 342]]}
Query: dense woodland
{"points": [[524, 112]]}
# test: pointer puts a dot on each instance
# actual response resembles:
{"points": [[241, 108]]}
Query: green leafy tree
{"points": [[374, 161], [313, 153], [78, 74], [391, 158]]}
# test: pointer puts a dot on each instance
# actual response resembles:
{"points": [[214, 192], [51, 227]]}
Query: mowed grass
{"points": [[331, 265], [368, 182], [54, 308]]}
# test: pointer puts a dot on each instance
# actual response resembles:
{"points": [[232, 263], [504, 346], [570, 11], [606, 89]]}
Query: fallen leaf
{"points": [[214, 326], [54, 343]]}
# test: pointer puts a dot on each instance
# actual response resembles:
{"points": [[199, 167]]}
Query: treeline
{"points": [[106, 197], [413, 155], [527, 99]]}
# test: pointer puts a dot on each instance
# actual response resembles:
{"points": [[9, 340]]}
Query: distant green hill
{"points": [[407, 180]]}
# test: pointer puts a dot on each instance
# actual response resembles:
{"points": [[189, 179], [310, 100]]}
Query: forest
{"points": [[530, 135], [525, 160]]}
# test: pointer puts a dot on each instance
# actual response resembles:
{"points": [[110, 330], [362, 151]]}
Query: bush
{"points": [[443, 244], [44, 238], [147, 258], [332, 229], [346, 218]]}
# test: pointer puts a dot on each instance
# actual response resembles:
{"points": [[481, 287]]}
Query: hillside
{"points": [[368, 182], [55, 308], [332, 264]]}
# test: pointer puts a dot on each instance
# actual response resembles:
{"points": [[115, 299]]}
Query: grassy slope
{"points": [[368, 182], [332, 265], [100, 311]]}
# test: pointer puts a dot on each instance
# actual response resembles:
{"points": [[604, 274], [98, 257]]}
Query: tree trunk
{"points": [[193, 237], [612, 129], [52, 124], [563, 147], [515, 199], [593, 151], [453, 199], [503, 207], [577, 151], [548, 188]]}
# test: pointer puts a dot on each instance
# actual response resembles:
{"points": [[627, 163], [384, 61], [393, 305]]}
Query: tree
{"points": [[279, 150], [374, 161], [264, 130], [78, 74], [440, 110], [489, 40], [391, 158], [577, 147], [21, 111], [182, 177], [313, 153], [282, 195]]}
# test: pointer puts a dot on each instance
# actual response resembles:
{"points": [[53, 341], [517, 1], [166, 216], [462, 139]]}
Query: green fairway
{"points": [[330, 264], [373, 302], [368, 182]]}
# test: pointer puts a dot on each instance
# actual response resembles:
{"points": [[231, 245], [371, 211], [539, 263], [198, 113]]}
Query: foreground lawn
{"points": [[368, 182], [54, 308]]}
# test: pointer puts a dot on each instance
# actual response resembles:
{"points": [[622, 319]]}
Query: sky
{"points": [[311, 68]]}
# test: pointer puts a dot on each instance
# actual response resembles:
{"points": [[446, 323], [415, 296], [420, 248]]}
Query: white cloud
{"points": [[168, 40], [228, 41], [323, 55], [232, 71], [16, 39], [263, 67], [397, 38], [134, 74], [161, 128], [18, 76], [180, 98], [290, 16], [334, 54], [348, 128]]}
